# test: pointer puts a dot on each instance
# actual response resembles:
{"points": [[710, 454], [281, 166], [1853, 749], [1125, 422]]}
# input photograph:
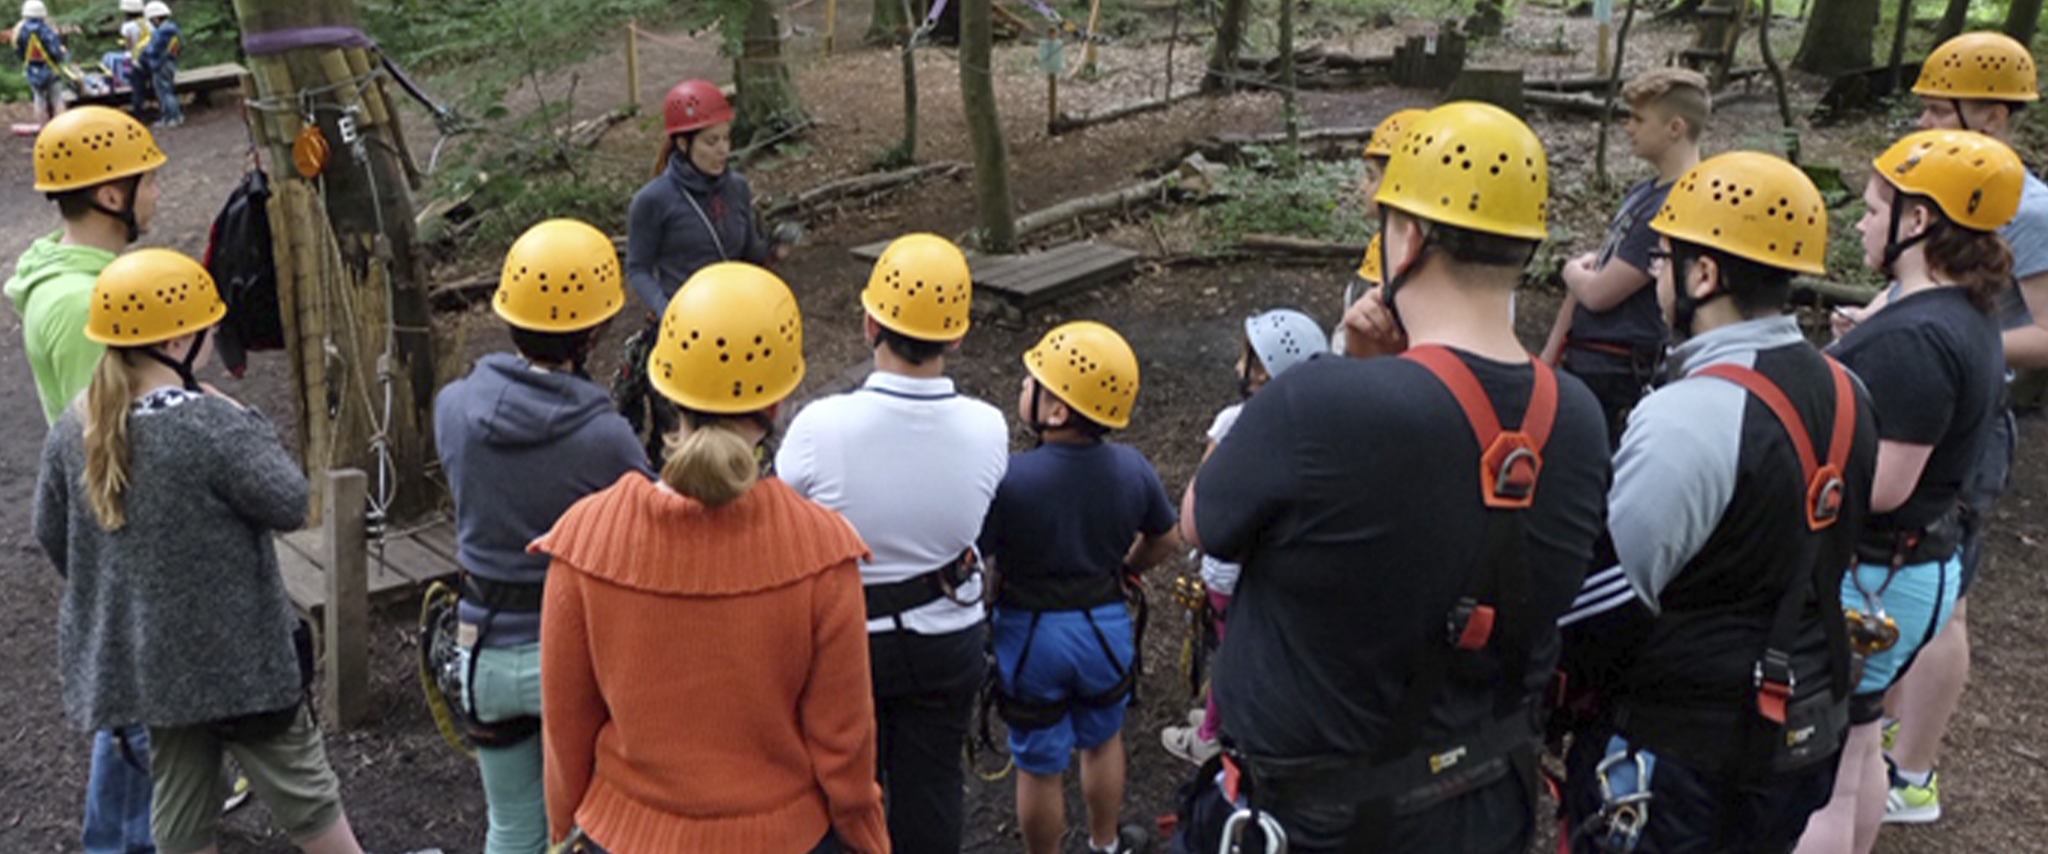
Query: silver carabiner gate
{"points": [[1234, 828]]}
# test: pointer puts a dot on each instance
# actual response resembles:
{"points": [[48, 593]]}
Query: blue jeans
{"points": [[117, 796], [165, 76]]}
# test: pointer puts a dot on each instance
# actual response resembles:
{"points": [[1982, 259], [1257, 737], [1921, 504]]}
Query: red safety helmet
{"points": [[694, 105]]}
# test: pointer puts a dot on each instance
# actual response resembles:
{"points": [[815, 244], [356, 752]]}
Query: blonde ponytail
{"points": [[711, 463], [107, 401]]}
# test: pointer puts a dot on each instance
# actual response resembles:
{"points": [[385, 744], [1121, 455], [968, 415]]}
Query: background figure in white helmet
{"points": [[1273, 342], [41, 51], [159, 61], [126, 63]]}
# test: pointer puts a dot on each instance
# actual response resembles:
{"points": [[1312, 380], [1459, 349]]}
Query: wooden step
{"points": [[1033, 279]]}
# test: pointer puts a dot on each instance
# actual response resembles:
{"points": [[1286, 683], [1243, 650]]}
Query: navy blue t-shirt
{"points": [[1638, 320], [1935, 367], [1066, 509]]}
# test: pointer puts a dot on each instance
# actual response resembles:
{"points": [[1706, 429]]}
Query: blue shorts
{"points": [[1066, 662], [1920, 598]]}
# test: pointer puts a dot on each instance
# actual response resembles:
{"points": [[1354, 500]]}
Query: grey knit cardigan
{"points": [[180, 617]]}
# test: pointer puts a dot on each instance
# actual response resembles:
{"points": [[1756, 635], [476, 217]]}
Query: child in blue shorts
{"points": [[1070, 518]]}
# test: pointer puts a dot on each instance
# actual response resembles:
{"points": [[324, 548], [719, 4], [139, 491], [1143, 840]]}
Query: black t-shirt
{"points": [[1350, 491], [1935, 367], [1638, 320]]}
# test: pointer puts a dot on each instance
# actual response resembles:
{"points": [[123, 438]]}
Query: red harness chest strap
{"points": [[1823, 480], [1510, 460]]}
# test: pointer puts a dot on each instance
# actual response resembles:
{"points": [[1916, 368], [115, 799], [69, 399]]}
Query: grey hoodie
{"points": [[519, 445]]}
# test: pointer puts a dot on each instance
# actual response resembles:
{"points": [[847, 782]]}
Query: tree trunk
{"points": [[994, 214], [1952, 21], [767, 102], [1897, 58], [1839, 37], [1229, 40], [907, 149], [889, 23], [1628, 18], [352, 282], [1763, 44], [2022, 19], [1290, 115]]}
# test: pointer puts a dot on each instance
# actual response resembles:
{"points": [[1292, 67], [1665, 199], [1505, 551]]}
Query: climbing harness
{"points": [[440, 664], [1625, 798], [1491, 613], [1199, 641]]}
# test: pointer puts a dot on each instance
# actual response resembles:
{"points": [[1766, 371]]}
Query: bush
{"points": [[1316, 200]]}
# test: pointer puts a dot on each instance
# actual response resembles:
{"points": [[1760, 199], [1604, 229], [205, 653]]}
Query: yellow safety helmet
{"points": [[1750, 205], [1089, 367], [921, 288], [732, 341], [1474, 166], [1974, 179], [1390, 131], [1987, 66], [1369, 269], [150, 296], [562, 275], [88, 146]]}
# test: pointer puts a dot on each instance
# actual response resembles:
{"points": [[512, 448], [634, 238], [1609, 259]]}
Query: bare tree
{"points": [[1952, 20], [1840, 36], [767, 102], [1222, 74], [996, 220], [2022, 19]]}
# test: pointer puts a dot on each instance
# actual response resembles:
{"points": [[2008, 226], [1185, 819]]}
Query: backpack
{"points": [[238, 256]]}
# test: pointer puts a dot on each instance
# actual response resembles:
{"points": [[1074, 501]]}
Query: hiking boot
{"points": [[1188, 744], [1910, 804]]}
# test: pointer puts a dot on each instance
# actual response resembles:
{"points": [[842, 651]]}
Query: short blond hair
{"points": [[1672, 91]]}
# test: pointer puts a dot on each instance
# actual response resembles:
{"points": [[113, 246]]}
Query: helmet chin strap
{"points": [[1962, 119], [1893, 246], [183, 367], [126, 213], [1394, 279]]}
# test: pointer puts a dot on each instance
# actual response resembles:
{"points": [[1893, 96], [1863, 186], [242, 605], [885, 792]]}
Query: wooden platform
{"points": [[1034, 279], [200, 83], [409, 562]]}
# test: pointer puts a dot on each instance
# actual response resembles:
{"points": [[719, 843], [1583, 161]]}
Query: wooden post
{"points": [[1052, 79], [352, 279], [1088, 52], [633, 61], [832, 24], [345, 697], [1603, 14]]}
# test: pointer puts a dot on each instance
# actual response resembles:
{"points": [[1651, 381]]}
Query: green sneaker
{"points": [[1910, 804]]}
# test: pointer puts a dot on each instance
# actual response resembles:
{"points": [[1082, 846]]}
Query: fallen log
{"points": [[1299, 247], [586, 133], [858, 186], [1568, 84], [1823, 292], [1068, 124], [1580, 103], [1085, 206]]}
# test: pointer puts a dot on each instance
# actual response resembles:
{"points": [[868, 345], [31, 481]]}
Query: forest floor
{"points": [[1181, 312]]}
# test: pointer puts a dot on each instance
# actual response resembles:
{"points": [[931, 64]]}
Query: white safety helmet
{"points": [[131, 7], [156, 9], [34, 10], [1283, 338]]}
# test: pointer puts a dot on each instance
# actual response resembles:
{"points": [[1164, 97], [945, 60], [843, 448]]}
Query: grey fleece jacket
{"points": [[667, 239], [180, 617]]}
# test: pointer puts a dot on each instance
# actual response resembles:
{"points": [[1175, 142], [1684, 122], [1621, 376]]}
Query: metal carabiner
{"points": [[1234, 828]]}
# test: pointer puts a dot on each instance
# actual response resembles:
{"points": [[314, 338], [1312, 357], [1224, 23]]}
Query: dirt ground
{"points": [[405, 789]]}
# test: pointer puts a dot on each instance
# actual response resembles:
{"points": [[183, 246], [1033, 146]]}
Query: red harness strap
{"points": [[1824, 488], [1510, 460], [1823, 481]]}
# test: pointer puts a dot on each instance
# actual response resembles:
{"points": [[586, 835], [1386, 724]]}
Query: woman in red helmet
{"points": [[695, 212]]}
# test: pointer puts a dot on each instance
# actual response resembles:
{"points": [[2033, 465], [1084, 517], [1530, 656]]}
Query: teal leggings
{"points": [[508, 686]]}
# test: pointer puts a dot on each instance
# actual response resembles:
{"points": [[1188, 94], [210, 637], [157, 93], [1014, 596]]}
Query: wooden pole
{"points": [[352, 279], [832, 24], [1052, 84], [1603, 14], [1088, 52], [633, 61], [345, 697]]}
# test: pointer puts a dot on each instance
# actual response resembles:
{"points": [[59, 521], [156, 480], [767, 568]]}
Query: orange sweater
{"points": [[704, 675]]}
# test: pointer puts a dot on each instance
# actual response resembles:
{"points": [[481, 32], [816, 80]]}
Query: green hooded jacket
{"points": [[51, 290]]}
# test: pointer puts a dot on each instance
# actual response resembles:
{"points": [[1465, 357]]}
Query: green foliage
{"points": [[1845, 248], [513, 203], [1316, 200], [548, 34]]}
